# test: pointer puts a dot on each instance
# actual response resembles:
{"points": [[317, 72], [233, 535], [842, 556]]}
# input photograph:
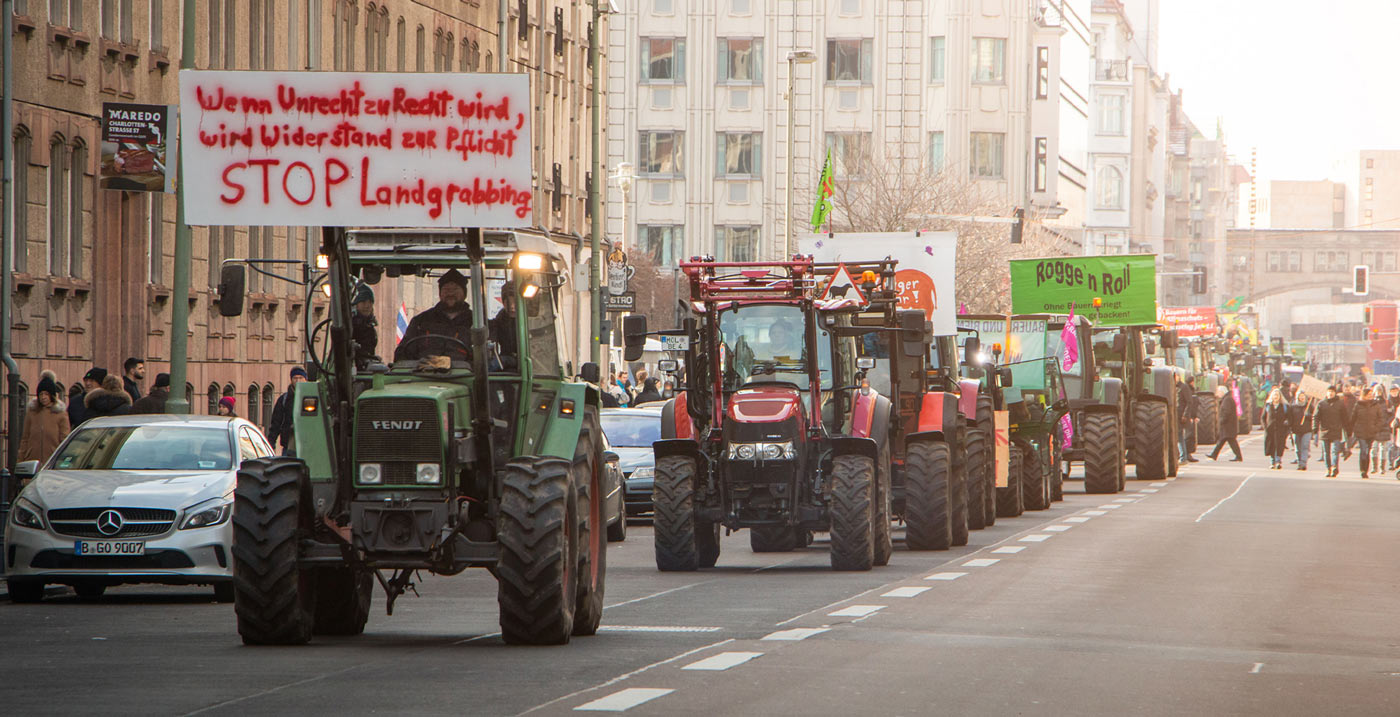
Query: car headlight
{"points": [[207, 516], [27, 515], [371, 473], [430, 473], [644, 472]]}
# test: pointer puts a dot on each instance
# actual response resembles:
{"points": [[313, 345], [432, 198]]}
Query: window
{"points": [[662, 7], [850, 7], [1110, 186], [78, 164], [663, 59], [255, 34], [736, 243], [1331, 261], [213, 399], [269, 397], [663, 244], [741, 60], [660, 153], [740, 7], [936, 151], [1295, 261], [421, 50], [985, 154], [738, 154], [1274, 261], [938, 60], [128, 23], [988, 60], [58, 219], [62, 13], [1368, 192], [1370, 164], [109, 18], [850, 153], [155, 247], [1042, 158], [465, 57], [246, 436], [542, 333], [1110, 114], [849, 60], [20, 158], [1367, 215], [1042, 72], [403, 45], [158, 26], [230, 35]]}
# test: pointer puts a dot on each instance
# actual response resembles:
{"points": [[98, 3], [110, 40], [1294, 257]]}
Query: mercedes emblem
{"points": [[109, 523]]}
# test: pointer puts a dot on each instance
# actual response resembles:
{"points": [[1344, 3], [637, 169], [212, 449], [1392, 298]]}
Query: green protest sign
{"points": [[1125, 285]]}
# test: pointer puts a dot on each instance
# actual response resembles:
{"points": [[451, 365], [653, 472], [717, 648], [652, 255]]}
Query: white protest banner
{"points": [[924, 274], [1312, 387], [360, 149]]}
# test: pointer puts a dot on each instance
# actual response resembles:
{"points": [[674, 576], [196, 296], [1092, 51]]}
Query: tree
{"points": [[656, 290]]}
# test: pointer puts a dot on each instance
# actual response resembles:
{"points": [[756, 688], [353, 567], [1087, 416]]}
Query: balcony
{"points": [[1111, 71]]}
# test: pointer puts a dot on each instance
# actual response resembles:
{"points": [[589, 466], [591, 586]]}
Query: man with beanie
{"points": [[154, 402], [77, 406], [502, 330], [279, 429], [450, 318], [133, 370], [363, 328]]}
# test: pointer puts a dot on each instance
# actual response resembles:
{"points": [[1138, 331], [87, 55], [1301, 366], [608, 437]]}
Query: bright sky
{"points": [[1308, 83]]}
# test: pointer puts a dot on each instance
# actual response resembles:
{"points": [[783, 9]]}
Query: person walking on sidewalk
{"points": [[1229, 426], [1190, 414], [1301, 414], [1367, 422], [45, 421], [1330, 424], [1276, 429]]}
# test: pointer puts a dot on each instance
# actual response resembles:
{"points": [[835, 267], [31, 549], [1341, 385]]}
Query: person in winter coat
{"points": [[1330, 424], [154, 402], [226, 405], [363, 328], [650, 392], [133, 372], [1301, 415], [77, 405], [1276, 428], [45, 421], [279, 429], [1350, 395], [110, 400], [1229, 424], [1190, 414], [1368, 421]]}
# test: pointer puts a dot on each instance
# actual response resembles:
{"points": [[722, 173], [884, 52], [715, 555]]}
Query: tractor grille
{"points": [[135, 522], [380, 435]]}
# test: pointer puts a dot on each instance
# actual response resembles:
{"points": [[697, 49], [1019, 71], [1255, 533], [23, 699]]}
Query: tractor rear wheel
{"points": [[773, 539], [976, 457], [1208, 411], [274, 599], [959, 477], [537, 575], [1151, 436], [587, 476], [1011, 499], [928, 524], [1035, 488], [853, 494], [986, 423], [884, 542], [342, 600], [1103, 453], [676, 533]]}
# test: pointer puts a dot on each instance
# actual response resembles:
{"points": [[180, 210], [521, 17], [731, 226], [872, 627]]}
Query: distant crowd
{"points": [[621, 392]]}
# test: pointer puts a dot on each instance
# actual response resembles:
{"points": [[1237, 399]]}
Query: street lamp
{"points": [[794, 58], [624, 176]]}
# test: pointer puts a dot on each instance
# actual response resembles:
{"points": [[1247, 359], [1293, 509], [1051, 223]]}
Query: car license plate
{"points": [[109, 547]]}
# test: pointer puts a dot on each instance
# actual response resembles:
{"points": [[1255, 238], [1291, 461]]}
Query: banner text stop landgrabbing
{"points": [[1125, 285], [356, 149]]}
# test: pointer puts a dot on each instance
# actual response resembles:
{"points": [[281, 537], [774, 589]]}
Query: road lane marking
{"points": [[1110, 506], [1077, 519], [1222, 500], [1148, 490], [656, 595], [1158, 484], [795, 634], [1010, 549], [1057, 528], [627, 675], [907, 592], [623, 700], [1037, 538], [722, 661], [1258, 666], [981, 562], [857, 611], [655, 628], [1095, 512], [1125, 500], [945, 576]]}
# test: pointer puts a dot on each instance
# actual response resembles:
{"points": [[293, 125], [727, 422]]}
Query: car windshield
{"points": [[766, 342], [631, 430], [146, 448]]}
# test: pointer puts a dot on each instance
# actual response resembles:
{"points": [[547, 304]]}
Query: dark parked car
{"points": [[631, 431]]}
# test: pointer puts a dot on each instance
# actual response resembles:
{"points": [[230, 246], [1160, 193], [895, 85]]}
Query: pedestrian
{"points": [[1331, 418], [133, 370], [109, 400], [649, 392], [1392, 406], [1229, 426], [1276, 428], [154, 402], [364, 330], [1350, 395], [1367, 422], [45, 421], [226, 405], [280, 428], [1190, 414], [624, 387], [1301, 414], [77, 404]]}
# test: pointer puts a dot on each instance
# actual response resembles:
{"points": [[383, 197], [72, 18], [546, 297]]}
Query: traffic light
{"points": [[1361, 280], [1198, 280], [1019, 226]]}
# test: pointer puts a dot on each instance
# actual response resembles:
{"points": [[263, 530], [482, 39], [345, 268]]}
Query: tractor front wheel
{"points": [[976, 479], [537, 574], [1103, 453], [1010, 500], [1035, 488], [928, 524], [676, 533], [853, 495], [1151, 438], [274, 599]]}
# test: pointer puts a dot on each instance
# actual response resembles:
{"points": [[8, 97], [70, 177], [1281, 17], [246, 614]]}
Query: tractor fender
{"points": [[853, 445], [967, 399], [1112, 391], [683, 447], [561, 431], [1163, 381], [939, 412], [870, 416], [675, 419]]}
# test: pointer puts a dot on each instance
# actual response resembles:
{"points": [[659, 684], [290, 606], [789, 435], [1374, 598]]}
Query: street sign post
{"points": [[620, 303]]}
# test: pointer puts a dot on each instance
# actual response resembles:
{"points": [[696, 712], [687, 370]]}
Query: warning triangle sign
{"points": [[841, 290]]}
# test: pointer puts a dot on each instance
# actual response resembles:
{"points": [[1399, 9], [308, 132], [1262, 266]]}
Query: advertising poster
{"points": [[1002, 427], [924, 273], [359, 149], [1126, 286], [1189, 320], [138, 144]]}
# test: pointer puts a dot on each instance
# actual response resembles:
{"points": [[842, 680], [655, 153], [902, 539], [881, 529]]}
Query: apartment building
{"points": [[1373, 189]]}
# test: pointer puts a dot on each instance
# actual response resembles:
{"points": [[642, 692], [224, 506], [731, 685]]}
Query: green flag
{"points": [[825, 189]]}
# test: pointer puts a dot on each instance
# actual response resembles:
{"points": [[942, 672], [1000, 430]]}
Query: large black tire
{"points": [[673, 515], [274, 600], [537, 576], [986, 423], [1103, 453], [342, 600], [884, 540], [707, 542], [976, 459], [25, 590], [773, 539], [1151, 440], [1057, 465], [853, 494], [1193, 443], [1208, 428], [587, 475], [1011, 499], [1035, 478], [928, 523], [959, 478], [617, 532]]}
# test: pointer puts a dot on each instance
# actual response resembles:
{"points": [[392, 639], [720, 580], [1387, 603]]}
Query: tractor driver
{"points": [[783, 341], [450, 318], [503, 332]]}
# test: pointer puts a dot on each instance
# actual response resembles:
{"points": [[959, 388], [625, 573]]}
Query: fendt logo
{"points": [[396, 425]]}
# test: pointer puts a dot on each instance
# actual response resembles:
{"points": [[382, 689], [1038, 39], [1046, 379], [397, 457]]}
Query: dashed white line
{"points": [[795, 634], [981, 562], [1037, 538], [1077, 519], [656, 628], [1125, 500], [1095, 512], [722, 661], [1148, 490], [945, 576], [1010, 549], [623, 700], [857, 611], [906, 592], [1222, 500], [1110, 506], [1158, 484], [1057, 528], [1258, 667]]}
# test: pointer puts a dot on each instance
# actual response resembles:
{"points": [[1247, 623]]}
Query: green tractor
{"points": [[461, 453], [1195, 359], [1147, 400]]}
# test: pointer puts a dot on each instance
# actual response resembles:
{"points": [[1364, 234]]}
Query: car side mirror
{"points": [[233, 278], [1120, 343], [590, 372], [1151, 346], [912, 329], [1171, 340], [26, 469], [634, 336], [971, 347]]}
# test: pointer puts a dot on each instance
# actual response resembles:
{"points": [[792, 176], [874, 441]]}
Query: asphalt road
{"points": [[1233, 589]]}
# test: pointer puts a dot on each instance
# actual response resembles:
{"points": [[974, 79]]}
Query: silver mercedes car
{"points": [[131, 499]]}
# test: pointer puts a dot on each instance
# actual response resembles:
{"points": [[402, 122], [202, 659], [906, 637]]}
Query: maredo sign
{"points": [[356, 149]]}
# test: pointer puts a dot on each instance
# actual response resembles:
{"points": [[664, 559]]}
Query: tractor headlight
{"points": [[743, 451], [776, 451], [762, 451], [371, 473], [430, 473]]}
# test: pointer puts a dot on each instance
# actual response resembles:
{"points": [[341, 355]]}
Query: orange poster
{"points": [[1002, 421]]}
